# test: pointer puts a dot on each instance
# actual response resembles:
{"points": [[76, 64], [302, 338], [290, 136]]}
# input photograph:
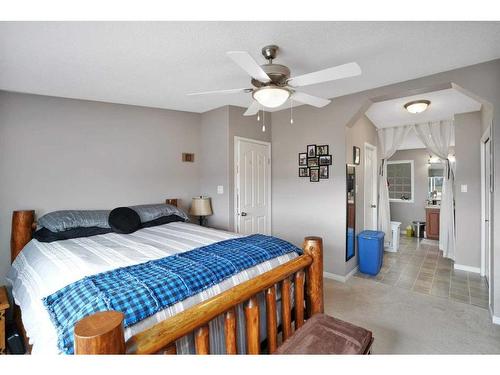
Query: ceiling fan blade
{"points": [[325, 75], [230, 91], [253, 109], [315, 101], [249, 65]]}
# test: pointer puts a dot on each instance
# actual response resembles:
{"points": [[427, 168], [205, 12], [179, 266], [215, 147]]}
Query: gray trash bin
{"points": [[418, 228]]}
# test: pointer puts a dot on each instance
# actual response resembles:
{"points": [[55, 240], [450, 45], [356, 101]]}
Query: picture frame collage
{"points": [[315, 163]]}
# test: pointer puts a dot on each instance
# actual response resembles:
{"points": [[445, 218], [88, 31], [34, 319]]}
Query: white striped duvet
{"points": [[43, 268]]}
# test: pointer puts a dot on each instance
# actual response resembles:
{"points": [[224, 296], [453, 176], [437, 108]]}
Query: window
{"points": [[400, 178]]}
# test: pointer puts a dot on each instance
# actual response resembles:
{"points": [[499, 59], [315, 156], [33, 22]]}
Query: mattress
{"points": [[43, 268]]}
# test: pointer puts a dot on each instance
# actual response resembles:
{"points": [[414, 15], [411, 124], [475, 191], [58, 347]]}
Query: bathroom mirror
{"points": [[435, 181], [351, 212]]}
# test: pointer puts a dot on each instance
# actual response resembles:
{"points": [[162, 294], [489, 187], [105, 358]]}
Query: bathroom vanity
{"points": [[432, 222]]}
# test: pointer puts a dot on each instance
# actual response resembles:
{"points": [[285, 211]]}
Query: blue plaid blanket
{"points": [[142, 290]]}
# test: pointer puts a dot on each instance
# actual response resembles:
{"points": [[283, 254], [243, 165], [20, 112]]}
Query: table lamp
{"points": [[201, 207]]}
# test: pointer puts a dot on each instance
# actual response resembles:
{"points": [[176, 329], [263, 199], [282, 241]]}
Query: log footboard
{"points": [[102, 333]]}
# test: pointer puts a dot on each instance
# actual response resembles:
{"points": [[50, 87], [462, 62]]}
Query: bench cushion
{"points": [[323, 334]]}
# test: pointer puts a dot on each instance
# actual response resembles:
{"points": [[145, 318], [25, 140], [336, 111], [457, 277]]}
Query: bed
{"points": [[241, 314]]}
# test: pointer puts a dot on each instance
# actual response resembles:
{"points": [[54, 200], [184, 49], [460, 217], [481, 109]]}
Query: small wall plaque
{"points": [[187, 157]]}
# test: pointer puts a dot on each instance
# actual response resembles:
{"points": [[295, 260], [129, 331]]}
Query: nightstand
{"points": [[4, 305]]}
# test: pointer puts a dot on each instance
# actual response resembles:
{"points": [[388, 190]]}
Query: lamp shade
{"points": [[271, 96], [201, 206]]}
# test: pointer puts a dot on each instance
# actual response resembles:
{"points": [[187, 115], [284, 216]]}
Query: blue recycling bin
{"points": [[371, 251]]}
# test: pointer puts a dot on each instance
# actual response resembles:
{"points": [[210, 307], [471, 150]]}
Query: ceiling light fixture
{"points": [[271, 96], [417, 106]]}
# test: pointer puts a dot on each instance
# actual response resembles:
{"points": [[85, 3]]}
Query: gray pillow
{"points": [[148, 212], [59, 221]]}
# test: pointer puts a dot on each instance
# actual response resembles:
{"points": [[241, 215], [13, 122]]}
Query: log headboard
{"points": [[23, 225]]}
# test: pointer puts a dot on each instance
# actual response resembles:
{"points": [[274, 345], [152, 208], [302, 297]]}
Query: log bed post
{"points": [[100, 333], [21, 232], [313, 246], [23, 225]]}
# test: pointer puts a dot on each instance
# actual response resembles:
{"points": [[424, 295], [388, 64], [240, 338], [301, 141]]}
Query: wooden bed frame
{"points": [[103, 333]]}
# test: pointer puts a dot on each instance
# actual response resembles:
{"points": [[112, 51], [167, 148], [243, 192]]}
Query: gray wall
{"points": [[468, 205], [302, 208], [322, 206], [65, 154], [214, 164], [363, 130], [405, 212]]}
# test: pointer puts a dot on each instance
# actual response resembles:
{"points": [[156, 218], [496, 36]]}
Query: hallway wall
{"points": [[468, 204], [363, 130]]}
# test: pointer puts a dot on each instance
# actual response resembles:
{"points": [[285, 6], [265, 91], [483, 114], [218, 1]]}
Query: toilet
{"points": [[393, 244]]}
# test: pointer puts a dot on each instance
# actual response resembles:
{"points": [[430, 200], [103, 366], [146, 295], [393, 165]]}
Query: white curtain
{"points": [[389, 139], [437, 138]]}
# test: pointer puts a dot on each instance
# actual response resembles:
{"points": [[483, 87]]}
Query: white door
{"points": [[486, 177], [252, 186], [370, 187]]}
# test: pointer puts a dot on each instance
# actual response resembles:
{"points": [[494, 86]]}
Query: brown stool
{"points": [[323, 334]]}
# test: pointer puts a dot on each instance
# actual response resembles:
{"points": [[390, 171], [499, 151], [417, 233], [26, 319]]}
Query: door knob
{"points": [[243, 214], [373, 206]]}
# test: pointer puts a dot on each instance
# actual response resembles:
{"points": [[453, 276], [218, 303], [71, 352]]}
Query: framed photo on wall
{"points": [[303, 159], [314, 175], [311, 151], [323, 172], [322, 150], [312, 162], [356, 155], [325, 160], [304, 172]]}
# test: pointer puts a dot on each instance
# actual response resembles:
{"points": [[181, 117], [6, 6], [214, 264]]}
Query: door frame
{"points": [[236, 172], [375, 183], [486, 136]]}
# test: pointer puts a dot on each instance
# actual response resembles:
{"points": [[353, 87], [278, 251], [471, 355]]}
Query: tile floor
{"points": [[419, 266]]}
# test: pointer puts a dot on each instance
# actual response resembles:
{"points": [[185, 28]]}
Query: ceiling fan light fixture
{"points": [[271, 96], [417, 106]]}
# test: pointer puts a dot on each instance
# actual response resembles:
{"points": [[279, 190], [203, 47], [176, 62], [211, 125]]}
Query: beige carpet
{"points": [[412, 323]]}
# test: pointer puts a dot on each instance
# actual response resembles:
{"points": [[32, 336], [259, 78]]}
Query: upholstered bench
{"points": [[323, 334]]}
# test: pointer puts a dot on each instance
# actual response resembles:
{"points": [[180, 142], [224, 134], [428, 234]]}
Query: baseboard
{"points": [[462, 267], [334, 276], [352, 273], [495, 319], [342, 279]]}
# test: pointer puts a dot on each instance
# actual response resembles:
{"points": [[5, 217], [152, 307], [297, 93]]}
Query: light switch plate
{"points": [[220, 189], [463, 188]]}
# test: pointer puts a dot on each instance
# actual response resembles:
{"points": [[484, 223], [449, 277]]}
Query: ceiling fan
{"points": [[273, 85]]}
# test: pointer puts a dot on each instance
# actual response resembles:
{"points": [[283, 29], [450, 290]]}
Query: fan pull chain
{"points": [[263, 122], [291, 112]]}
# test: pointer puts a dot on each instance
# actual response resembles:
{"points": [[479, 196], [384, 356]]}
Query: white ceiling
{"points": [[156, 63], [444, 105]]}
